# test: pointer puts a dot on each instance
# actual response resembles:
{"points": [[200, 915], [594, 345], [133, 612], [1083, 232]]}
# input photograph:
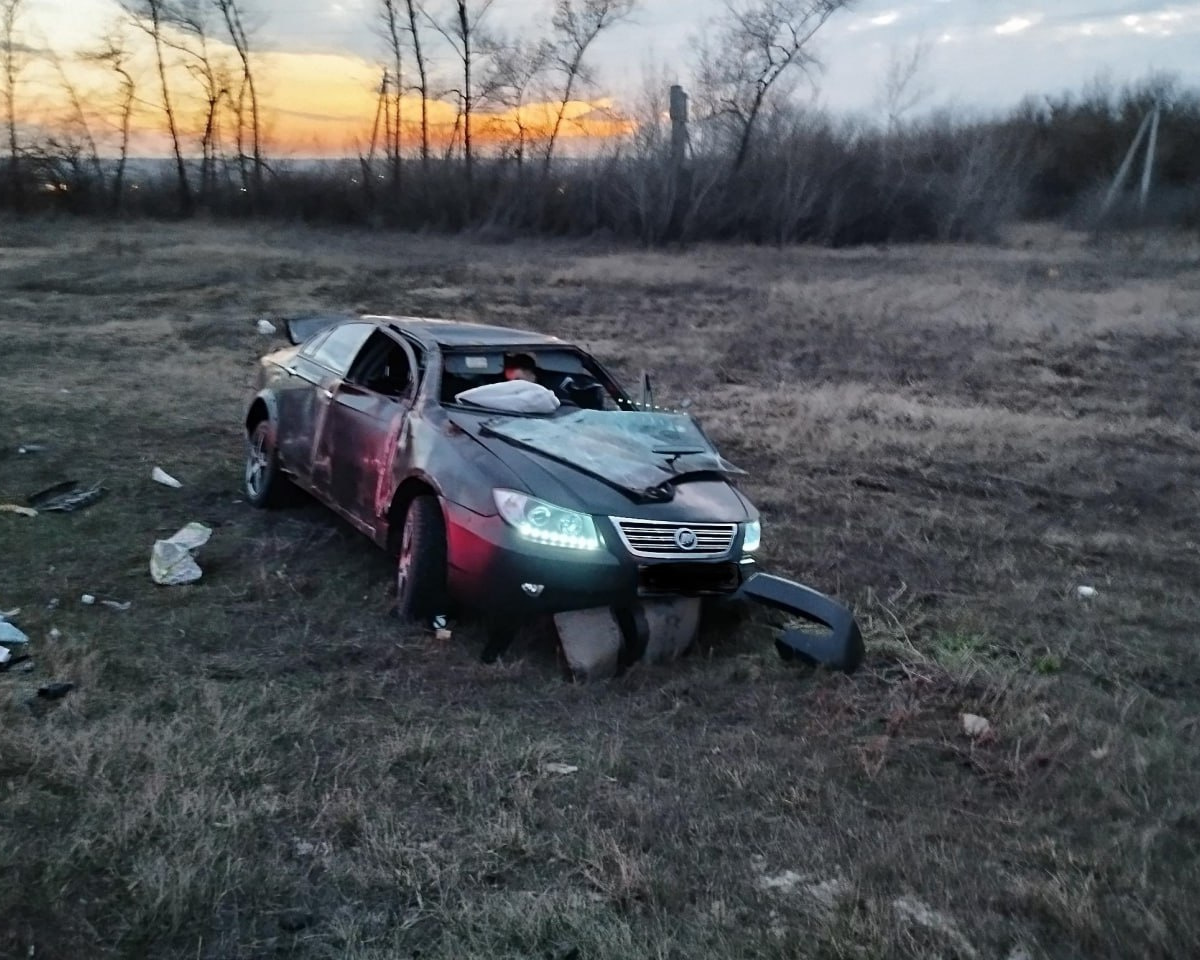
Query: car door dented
{"points": [[597, 513]]}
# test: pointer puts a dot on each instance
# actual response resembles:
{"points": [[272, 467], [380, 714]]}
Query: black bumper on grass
{"points": [[838, 647]]}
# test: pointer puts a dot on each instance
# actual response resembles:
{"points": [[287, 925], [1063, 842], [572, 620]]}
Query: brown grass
{"points": [[952, 439]]}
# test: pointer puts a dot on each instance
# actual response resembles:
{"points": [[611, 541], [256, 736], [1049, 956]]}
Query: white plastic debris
{"points": [[975, 726], [171, 560], [159, 475], [5, 655], [265, 327], [10, 635], [10, 614], [192, 536], [1085, 591], [117, 605], [18, 510], [561, 769], [87, 599]]}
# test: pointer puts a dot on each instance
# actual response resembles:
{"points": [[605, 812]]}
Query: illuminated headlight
{"points": [[753, 537], [543, 522]]}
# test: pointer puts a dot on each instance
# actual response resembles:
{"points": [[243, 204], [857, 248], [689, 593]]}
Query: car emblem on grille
{"points": [[685, 539]]}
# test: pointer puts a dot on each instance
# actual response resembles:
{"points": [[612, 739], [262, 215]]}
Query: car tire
{"points": [[421, 564], [263, 481]]}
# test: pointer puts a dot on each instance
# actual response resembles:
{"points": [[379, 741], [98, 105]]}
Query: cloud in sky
{"points": [[324, 53]]}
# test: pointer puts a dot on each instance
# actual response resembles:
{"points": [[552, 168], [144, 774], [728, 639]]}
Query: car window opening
{"points": [[560, 371], [383, 366]]}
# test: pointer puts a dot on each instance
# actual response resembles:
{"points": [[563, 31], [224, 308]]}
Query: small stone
{"points": [[975, 726]]}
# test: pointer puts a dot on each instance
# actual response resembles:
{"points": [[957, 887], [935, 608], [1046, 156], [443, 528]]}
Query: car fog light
{"points": [[533, 589]]}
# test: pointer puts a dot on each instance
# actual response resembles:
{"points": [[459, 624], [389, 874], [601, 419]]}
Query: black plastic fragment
{"points": [[840, 649], [65, 497]]}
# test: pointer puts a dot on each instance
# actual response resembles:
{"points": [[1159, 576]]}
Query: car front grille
{"points": [[658, 539]]}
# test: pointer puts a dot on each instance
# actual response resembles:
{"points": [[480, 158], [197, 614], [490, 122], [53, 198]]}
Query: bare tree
{"points": [[77, 120], [422, 78], [577, 23], [187, 17], [152, 17], [462, 32], [757, 43], [902, 89], [112, 52], [515, 69], [232, 15], [11, 52], [393, 86]]}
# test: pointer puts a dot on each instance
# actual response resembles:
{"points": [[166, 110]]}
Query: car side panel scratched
{"points": [[640, 506]]}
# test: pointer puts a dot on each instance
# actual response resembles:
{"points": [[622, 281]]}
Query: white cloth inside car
{"points": [[511, 396]]}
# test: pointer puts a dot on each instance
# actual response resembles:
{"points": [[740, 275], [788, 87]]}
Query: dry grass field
{"points": [[952, 439]]}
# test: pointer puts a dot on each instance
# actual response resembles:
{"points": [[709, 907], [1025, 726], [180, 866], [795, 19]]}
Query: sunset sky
{"points": [[320, 71]]}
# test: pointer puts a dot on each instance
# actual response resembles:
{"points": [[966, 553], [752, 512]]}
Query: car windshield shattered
{"points": [[641, 452]]}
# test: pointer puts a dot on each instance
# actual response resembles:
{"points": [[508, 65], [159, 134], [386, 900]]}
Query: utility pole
{"points": [[1149, 124], [680, 176]]}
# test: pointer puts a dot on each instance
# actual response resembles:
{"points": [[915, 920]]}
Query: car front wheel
{"points": [[263, 480], [421, 566]]}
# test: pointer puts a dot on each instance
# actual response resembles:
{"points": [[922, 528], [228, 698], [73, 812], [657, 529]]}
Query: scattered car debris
{"points": [[840, 648], [159, 475], [87, 599], [10, 614], [55, 691], [8, 660], [65, 497], [27, 448], [18, 509], [559, 769], [975, 726], [10, 636], [171, 560], [52, 603], [266, 327], [1084, 591], [54, 633], [117, 604]]}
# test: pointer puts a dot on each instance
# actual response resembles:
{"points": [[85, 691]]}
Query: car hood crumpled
{"points": [[641, 453]]}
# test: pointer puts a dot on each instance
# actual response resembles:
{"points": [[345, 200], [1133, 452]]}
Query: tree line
{"points": [[742, 157]]}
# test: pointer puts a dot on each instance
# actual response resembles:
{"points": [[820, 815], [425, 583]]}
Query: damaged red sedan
{"points": [[509, 473]]}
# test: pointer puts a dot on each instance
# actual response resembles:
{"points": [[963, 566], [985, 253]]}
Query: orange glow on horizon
{"points": [[311, 105]]}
